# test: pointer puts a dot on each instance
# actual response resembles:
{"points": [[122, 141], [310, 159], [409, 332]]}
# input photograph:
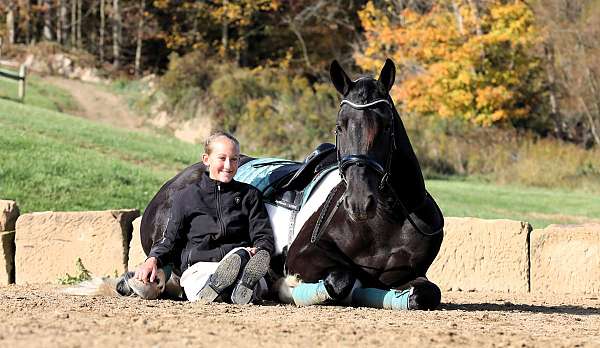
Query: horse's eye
{"points": [[338, 129]]}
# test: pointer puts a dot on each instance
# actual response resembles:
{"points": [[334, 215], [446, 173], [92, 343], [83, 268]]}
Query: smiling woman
{"points": [[208, 228]]}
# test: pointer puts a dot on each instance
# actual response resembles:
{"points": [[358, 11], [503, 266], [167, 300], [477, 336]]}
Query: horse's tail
{"points": [[99, 286], [125, 285]]}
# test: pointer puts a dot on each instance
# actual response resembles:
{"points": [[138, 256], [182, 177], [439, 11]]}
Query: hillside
{"points": [[54, 161]]}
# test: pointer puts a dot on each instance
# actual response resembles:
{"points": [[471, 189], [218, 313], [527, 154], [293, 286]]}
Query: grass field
{"points": [[53, 161], [38, 94]]}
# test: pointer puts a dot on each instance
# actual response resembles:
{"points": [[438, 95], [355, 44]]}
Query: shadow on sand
{"points": [[511, 307]]}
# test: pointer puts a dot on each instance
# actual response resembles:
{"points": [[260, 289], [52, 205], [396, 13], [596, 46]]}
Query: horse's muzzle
{"points": [[360, 210]]}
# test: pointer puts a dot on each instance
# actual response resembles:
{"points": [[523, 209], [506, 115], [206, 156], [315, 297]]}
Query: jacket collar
{"points": [[210, 185]]}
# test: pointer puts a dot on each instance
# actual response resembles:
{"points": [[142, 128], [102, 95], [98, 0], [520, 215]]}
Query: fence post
{"points": [[22, 74]]}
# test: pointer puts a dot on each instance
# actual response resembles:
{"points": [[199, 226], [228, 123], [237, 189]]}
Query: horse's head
{"points": [[365, 139]]}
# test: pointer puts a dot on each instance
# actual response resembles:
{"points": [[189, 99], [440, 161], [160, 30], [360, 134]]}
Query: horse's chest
{"points": [[387, 252]]}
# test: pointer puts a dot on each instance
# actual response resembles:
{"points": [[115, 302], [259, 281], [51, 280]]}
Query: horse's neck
{"points": [[406, 176]]}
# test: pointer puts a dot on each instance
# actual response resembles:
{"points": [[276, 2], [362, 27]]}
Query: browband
{"points": [[364, 106]]}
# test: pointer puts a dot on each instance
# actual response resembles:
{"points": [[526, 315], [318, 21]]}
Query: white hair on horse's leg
{"points": [[284, 287], [99, 286]]}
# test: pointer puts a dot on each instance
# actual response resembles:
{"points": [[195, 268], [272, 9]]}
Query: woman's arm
{"points": [[159, 253], [260, 229]]}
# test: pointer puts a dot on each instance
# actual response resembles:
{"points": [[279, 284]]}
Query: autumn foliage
{"points": [[458, 61]]}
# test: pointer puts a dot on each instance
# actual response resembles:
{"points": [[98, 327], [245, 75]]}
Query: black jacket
{"points": [[210, 218]]}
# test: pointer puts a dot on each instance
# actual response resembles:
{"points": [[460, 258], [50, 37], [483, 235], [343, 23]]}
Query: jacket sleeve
{"points": [[172, 231], [260, 230]]}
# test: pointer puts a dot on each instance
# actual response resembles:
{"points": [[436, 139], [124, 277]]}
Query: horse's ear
{"points": [[388, 74], [340, 80]]}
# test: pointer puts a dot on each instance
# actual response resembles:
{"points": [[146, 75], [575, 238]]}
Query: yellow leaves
{"points": [[480, 75]]}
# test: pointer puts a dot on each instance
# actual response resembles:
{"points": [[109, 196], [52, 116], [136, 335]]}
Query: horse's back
{"points": [[155, 216]]}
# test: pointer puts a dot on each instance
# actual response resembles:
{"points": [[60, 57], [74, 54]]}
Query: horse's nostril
{"points": [[370, 206]]}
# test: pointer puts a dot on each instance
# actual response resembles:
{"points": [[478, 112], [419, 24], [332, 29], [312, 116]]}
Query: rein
{"points": [[363, 160]]}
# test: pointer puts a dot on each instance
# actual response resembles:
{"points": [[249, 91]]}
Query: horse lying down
{"points": [[365, 235], [378, 229]]}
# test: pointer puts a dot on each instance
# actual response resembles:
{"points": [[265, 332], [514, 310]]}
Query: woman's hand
{"points": [[252, 251], [147, 270]]}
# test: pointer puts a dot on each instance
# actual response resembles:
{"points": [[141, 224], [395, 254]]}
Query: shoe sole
{"points": [[224, 276], [255, 269]]}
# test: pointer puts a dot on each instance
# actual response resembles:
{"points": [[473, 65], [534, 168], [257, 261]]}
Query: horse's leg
{"points": [[417, 294], [128, 285], [336, 287]]}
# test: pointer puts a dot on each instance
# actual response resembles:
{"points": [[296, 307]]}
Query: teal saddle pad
{"points": [[264, 173]]}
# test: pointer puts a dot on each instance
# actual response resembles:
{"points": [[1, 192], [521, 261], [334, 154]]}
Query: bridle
{"points": [[361, 160]]}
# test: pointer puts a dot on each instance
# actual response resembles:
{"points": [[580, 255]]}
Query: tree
{"points": [[117, 33], [572, 46], [459, 63]]}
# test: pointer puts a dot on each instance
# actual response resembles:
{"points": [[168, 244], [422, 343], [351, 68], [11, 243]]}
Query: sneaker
{"points": [[224, 276], [255, 269]]}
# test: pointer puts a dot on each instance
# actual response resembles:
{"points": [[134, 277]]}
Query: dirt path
{"points": [[39, 316], [99, 105]]}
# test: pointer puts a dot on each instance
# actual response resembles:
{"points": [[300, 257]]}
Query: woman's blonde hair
{"points": [[209, 141]]}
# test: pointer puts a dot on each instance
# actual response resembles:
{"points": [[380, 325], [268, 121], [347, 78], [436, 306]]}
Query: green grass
{"points": [[38, 93], [538, 206], [52, 161]]}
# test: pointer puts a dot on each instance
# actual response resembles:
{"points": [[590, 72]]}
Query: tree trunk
{"points": [[27, 5], [475, 9], [102, 29], [140, 32], [225, 31], [554, 110], [10, 23], [73, 22], [298, 34], [61, 25], [459, 19], [79, 20], [116, 21], [47, 31]]}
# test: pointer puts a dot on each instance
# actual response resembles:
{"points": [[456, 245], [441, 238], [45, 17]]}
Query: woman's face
{"points": [[223, 160]]}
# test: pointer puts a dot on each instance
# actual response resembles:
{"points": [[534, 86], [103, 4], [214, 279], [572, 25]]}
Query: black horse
{"points": [[390, 229]]}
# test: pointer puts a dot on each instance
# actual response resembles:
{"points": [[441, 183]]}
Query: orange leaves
{"points": [[455, 63]]}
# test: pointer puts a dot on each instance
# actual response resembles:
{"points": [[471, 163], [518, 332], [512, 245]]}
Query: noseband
{"points": [[362, 160]]}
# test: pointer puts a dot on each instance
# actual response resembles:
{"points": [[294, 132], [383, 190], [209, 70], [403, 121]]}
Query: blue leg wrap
{"points": [[377, 298], [307, 294]]}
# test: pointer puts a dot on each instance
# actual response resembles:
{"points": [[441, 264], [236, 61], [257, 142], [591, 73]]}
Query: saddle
{"points": [[281, 181], [286, 185]]}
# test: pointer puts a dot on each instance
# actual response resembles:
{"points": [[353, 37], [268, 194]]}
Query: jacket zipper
{"points": [[219, 215], [189, 256]]}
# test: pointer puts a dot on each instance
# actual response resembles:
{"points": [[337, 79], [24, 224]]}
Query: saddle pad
{"points": [[316, 180], [321, 187], [257, 172]]}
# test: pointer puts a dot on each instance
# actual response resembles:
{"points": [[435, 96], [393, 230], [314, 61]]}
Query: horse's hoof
{"points": [[255, 269], [122, 287], [147, 291], [425, 296], [224, 276]]}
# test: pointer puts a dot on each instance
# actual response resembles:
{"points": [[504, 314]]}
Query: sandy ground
{"points": [[99, 105], [40, 316]]}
